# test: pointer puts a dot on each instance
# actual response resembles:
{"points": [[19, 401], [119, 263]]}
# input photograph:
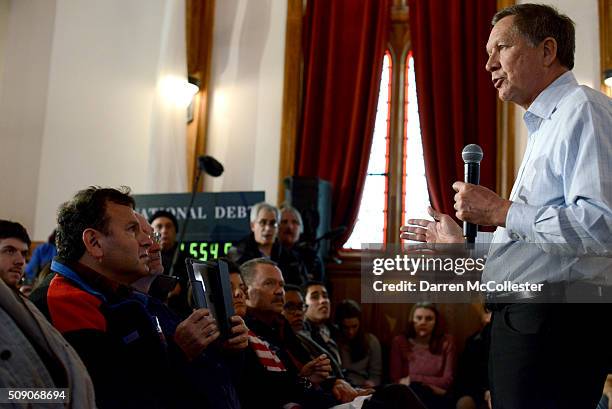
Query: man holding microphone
{"points": [[556, 229]]}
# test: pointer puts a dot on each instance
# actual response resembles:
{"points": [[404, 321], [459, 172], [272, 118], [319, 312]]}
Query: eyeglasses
{"points": [[156, 237], [270, 223], [294, 308]]}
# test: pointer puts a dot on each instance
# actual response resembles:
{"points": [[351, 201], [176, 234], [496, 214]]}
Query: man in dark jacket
{"points": [[137, 352], [263, 242], [264, 317]]}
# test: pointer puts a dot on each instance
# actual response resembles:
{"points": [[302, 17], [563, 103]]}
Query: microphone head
{"points": [[472, 153], [210, 165]]}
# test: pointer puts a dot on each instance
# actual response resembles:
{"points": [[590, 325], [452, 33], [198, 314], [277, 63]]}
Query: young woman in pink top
{"points": [[424, 357]]}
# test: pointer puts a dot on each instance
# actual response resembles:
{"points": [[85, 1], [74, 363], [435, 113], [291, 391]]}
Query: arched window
{"points": [[375, 222], [416, 196], [371, 222]]}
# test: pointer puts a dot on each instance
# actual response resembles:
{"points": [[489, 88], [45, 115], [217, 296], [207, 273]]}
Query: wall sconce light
{"points": [[177, 91], [194, 87], [608, 77]]}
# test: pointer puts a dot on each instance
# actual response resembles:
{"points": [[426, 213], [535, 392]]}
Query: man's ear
{"points": [[249, 294], [249, 291], [549, 47], [91, 240]]}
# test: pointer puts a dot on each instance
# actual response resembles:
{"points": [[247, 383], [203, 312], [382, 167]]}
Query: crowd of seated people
{"points": [[103, 331], [265, 241]]}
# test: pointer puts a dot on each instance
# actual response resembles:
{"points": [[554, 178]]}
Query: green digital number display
{"points": [[206, 250]]}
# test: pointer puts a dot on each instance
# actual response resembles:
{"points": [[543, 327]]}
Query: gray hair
{"points": [[287, 207], [257, 207], [536, 22], [249, 269]]}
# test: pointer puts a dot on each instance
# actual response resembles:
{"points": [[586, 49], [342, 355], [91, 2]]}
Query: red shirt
{"points": [[416, 361]]}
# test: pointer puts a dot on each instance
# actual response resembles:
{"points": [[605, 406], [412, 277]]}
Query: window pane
{"points": [[416, 199], [370, 225]]}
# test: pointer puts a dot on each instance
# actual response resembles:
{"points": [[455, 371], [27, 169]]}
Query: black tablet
{"points": [[211, 288]]}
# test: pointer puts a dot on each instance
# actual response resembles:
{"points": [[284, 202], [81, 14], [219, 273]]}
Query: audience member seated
{"points": [[424, 357], [42, 256], [15, 248], [471, 388], [32, 352], [289, 231], [137, 352], [214, 357], [166, 224], [275, 356], [265, 303], [293, 311], [156, 266], [144, 284], [156, 284], [360, 352], [318, 311], [262, 242]]}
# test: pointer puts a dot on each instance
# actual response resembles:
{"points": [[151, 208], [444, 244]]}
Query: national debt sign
{"points": [[216, 221]]}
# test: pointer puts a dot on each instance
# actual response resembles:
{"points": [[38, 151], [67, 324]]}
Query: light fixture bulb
{"points": [[608, 77], [178, 91]]}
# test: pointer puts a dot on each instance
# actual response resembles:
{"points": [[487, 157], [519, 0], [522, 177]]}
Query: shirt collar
{"points": [[546, 102], [96, 282]]}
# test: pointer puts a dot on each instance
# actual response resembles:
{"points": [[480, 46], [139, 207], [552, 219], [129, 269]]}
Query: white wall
{"points": [[5, 6], [23, 103], [246, 94], [77, 101], [586, 67]]}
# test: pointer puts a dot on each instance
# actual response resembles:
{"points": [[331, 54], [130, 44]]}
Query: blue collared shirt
{"points": [[559, 227]]}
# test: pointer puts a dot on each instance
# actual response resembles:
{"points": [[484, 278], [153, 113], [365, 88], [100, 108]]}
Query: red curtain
{"points": [[457, 102], [344, 45]]}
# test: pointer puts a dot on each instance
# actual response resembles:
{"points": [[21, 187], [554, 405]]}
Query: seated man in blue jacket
{"points": [[137, 352]]}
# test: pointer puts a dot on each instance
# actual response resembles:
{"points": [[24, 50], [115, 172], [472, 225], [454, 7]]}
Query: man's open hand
{"points": [[442, 229]]}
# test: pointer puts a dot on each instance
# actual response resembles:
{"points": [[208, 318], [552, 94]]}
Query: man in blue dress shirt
{"points": [[556, 229]]}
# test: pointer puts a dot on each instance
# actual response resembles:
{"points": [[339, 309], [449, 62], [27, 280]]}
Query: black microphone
{"points": [[210, 165], [472, 155]]}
